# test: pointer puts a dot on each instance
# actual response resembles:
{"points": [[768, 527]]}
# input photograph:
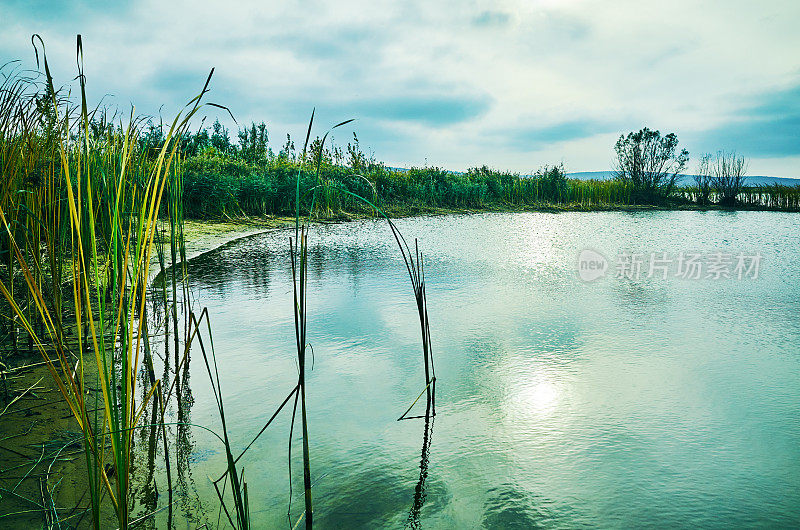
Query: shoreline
{"points": [[202, 236], [206, 235]]}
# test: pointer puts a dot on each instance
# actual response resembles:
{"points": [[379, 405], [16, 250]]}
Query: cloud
{"points": [[560, 26], [491, 18], [61, 12], [508, 83], [767, 125], [340, 44], [434, 110], [537, 137]]}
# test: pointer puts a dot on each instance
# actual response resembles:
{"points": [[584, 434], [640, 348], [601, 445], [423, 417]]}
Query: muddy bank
{"points": [[43, 464]]}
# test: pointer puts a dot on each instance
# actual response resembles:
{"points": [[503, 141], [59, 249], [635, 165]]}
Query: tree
{"points": [[194, 144], [356, 158], [318, 152], [703, 180], [253, 143], [727, 176], [152, 138], [287, 152], [46, 111], [649, 162], [219, 137], [552, 182]]}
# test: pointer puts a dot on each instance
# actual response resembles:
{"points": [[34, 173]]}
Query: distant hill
{"points": [[757, 180]]}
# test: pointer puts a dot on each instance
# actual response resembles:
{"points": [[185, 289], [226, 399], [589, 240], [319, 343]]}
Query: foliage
{"points": [[650, 163], [81, 205], [553, 181], [250, 179]]}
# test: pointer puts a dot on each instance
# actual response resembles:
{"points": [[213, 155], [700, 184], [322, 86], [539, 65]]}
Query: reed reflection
{"points": [[420, 495]]}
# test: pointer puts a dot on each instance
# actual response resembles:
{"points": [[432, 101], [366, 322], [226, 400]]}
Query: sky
{"points": [[456, 84]]}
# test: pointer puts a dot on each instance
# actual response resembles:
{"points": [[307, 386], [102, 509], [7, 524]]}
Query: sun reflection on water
{"points": [[540, 398]]}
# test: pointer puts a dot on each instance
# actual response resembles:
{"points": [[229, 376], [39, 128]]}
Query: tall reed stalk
{"points": [[80, 209], [80, 206]]}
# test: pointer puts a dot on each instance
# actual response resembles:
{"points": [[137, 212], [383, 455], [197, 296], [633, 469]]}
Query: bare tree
{"points": [[650, 162], [703, 180], [727, 175]]}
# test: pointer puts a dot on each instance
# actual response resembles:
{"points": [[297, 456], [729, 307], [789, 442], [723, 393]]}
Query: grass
{"points": [[220, 185], [298, 247]]}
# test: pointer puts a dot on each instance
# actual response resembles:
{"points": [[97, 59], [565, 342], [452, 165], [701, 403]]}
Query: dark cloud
{"points": [[348, 44], [415, 73], [59, 11], [536, 137], [766, 126], [425, 104], [178, 81], [432, 110]]}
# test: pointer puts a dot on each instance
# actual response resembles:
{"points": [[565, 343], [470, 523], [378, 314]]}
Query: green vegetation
{"points": [[727, 177], [226, 183], [702, 180], [80, 207], [224, 179], [88, 204], [650, 164]]}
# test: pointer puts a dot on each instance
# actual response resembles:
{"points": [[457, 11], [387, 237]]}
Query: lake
{"points": [[651, 399]]}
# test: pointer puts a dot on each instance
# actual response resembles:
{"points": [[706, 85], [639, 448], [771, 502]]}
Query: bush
{"points": [[727, 176]]}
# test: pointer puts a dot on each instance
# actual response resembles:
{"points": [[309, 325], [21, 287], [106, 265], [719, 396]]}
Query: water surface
{"points": [[560, 403]]}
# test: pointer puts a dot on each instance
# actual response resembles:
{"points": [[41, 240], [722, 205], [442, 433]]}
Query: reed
{"points": [[231, 182], [83, 210], [299, 258], [298, 247], [79, 211]]}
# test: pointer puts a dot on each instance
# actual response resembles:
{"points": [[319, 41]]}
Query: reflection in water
{"points": [[144, 489], [509, 508], [166, 448], [419, 491], [566, 404], [539, 398], [176, 358], [184, 444]]}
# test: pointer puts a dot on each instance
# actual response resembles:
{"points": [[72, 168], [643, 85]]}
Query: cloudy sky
{"points": [[510, 84]]}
